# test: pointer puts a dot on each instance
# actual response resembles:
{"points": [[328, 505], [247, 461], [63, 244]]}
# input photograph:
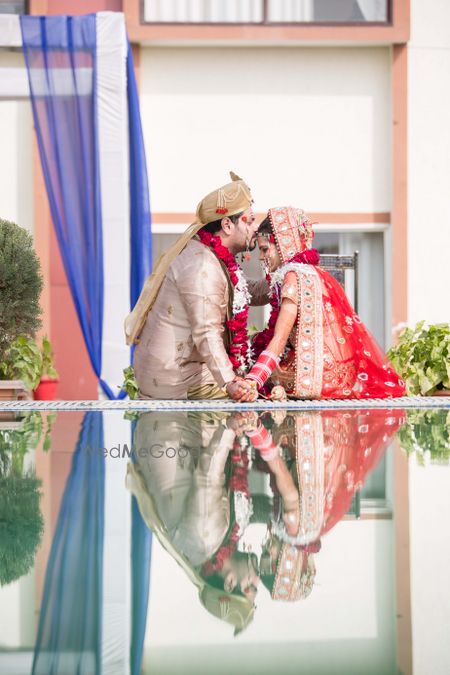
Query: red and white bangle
{"points": [[263, 368], [262, 440]]}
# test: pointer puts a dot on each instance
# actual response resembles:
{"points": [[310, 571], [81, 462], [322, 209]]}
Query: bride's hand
{"points": [[242, 422], [278, 393], [254, 390]]}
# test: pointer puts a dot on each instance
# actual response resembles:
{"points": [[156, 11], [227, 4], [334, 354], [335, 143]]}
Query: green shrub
{"points": [[21, 525], [21, 522], [20, 285]]}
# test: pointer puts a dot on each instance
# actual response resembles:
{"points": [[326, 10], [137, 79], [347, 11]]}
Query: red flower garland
{"points": [[238, 483], [238, 351]]}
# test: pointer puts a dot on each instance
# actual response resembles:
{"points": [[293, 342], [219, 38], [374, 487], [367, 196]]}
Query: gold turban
{"points": [[228, 200]]}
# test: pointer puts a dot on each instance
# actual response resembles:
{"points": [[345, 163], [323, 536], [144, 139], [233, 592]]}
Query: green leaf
{"points": [[422, 357], [130, 385]]}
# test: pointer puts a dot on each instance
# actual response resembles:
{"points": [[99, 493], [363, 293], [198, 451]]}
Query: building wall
{"points": [[429, 161], [307, 126], [16, 167]]}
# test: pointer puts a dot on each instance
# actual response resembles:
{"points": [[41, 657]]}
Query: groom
{"points": [[188, 323]]}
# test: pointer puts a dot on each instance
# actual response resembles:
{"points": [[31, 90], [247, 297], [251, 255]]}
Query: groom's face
{"points": [[243, 233]]}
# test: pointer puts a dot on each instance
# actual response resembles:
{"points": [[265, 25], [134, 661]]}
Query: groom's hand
{"points": [[240, 390], [242, 422]]}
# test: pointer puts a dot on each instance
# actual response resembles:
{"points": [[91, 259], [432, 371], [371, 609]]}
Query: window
{"points": [[371, 278], [267, 11], [13, 7]]}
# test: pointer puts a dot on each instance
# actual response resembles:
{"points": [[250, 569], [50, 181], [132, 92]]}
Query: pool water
{"points": [[212, 542]]}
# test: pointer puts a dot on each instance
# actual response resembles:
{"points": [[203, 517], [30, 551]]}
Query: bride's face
{"points": [[268, 253]]}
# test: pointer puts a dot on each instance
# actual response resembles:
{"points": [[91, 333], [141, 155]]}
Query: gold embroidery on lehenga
{"points": [[300, 369], [309, 345], [310, 472], [289, 291], [338, 376]]}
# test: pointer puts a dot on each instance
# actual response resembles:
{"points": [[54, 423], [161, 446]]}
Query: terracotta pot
{"points": [[441, 392], [46, 390], [13, 390]]}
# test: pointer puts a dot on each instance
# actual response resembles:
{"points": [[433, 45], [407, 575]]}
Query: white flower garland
{"points": [[241, 300]]}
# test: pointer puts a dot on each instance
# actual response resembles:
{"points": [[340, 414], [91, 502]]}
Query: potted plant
{"points": [[49, 379], [20, 289], [22, 362], [422, 358]]}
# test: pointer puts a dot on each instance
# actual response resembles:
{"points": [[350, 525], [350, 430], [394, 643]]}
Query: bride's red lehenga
{"points": [[330, 353]]}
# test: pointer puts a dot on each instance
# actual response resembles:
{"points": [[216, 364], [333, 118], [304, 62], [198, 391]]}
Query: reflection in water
{"points": [[426, 434], [203, 482], [69, 633], [325, 459], [191, 483], [71, 622], [21, 523]]}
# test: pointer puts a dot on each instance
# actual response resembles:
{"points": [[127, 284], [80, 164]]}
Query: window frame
{"points": [[266, 22], [395, 31]]}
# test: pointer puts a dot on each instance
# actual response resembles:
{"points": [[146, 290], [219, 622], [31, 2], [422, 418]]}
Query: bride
{"points": [[314, 346]]}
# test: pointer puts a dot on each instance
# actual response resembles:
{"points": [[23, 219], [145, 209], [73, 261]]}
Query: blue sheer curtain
{"points": [[69, 631], [140, 221], [60, 54]]}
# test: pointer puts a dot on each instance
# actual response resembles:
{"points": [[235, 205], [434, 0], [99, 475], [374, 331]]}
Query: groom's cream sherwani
{"points": [[183, 343]]}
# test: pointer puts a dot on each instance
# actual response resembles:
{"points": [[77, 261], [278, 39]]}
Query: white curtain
{"points": [[291, 10], [200, 11], [373, 10]]}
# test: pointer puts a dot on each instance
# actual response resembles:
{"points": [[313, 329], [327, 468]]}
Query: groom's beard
{"points": [[252, 244]]}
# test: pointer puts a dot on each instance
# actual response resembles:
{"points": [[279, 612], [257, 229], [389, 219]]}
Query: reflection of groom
{"points": [[186, 493], [180, 319]]}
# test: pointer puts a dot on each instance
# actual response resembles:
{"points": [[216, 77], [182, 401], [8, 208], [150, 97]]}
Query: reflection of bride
{"points": [[328, 457], [314, 346], [190, 481]]}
